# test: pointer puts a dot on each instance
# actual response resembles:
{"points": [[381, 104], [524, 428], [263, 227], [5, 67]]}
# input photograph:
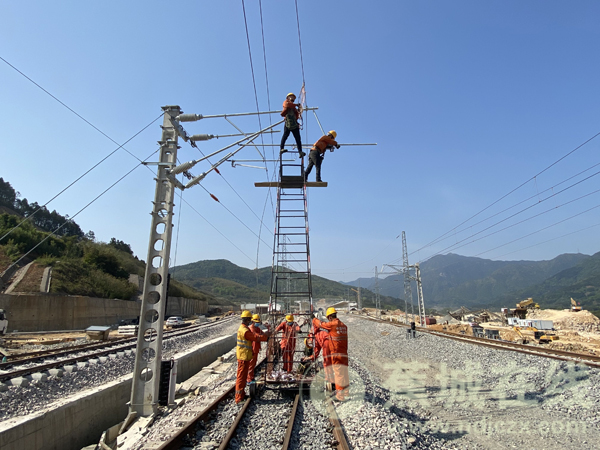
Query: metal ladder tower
{"points": [[290, 270]]}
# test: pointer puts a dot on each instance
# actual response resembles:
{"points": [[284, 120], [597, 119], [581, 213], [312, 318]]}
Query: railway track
{"points": [[243, 431], [73, 355], [562, 355]]}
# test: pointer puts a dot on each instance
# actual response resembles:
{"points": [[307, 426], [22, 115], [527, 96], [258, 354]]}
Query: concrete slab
{"points": [[20, 381]]}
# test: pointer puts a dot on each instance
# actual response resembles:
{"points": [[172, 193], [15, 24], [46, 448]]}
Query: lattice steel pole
{"points": [[377, 298], [420, 294], [146, 372], [406, 271]]}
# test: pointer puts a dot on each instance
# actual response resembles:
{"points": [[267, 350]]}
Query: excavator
{"points": [[575, 306], [522, 339], [543, 337]]}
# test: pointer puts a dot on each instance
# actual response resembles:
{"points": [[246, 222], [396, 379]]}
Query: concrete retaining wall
{"points": [[48, 312], [44, 312], [80, 420], [181, 306]]}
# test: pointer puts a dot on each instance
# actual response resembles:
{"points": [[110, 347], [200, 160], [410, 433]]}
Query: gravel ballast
{"points": [[18, 401]]}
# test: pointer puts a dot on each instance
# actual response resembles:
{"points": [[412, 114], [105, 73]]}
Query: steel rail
{"points": [[113, 349], [562, 355], [338, 430], [233, 429], [290, 427]]}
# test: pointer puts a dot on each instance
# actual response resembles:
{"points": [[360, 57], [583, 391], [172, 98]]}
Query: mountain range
{"points": [[451, 281]]}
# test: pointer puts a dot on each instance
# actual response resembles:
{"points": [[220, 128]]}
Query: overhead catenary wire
{"points": [[509, 193], [79, 212], [456, 246]]}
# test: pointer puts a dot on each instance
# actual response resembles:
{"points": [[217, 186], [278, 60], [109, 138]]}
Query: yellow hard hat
{"points": [[246, 314], [256, 318], [289, 318], [308, 342], [292, 94], [333, 133], [330, 311]]}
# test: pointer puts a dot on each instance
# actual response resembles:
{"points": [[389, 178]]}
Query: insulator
{"points": [[214, 198], [188, 117], [217, 170], [182, 167], [201, 137], [196, 180]]}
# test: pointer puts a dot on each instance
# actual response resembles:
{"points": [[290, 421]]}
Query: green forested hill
{"points": [[582, 282], [238, 284]]}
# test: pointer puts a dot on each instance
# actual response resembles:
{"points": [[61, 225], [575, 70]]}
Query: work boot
{"points": [[319, 181], [282, 151], [302, 154]]}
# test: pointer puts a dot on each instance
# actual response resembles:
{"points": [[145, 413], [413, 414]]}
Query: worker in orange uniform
{"points": [[289, 330], [317, 152], [244, 353], [291, 114], [338, 346], [322, 343], [255, 328]]}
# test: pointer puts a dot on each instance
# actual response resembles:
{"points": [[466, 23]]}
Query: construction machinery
{"points": [[522, 339], [575, 306], [528, 304], [543, 337]]}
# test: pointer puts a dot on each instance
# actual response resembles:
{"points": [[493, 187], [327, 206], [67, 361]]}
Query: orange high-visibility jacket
{"points": [[244, 338], [288, 340], [256, 344], [338, 339], [287, 105], [322, 144]]}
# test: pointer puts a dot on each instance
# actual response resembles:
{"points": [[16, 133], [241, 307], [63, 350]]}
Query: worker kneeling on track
{"points": [[255, 328], [244, 353], [338, 347]]}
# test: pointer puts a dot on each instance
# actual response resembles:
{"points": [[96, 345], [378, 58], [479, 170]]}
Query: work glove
{"points": [[337, 146]]}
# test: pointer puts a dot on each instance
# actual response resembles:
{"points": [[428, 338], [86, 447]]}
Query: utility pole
{"points": [[377, 298], [407, 287], [148, 357], [420, 294]]}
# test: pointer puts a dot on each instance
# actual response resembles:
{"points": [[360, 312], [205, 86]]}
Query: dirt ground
{"points": [[32, 280]]}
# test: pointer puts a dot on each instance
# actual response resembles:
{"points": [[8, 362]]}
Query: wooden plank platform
{"points": [[288, 185]]}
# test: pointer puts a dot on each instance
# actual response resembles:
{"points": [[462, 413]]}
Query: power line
{"points": [[509, 193], [78, 212], [455, 246], [217, 230], [300, 43], [522, 210], [83, 175], [72, 110]]}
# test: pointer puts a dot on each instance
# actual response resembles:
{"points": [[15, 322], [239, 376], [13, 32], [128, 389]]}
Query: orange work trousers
{"points": [[342, 379], [288, 359], [240, 381], [328, 364], [251, 367]]}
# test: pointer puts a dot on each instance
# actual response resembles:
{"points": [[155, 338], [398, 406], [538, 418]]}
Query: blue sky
{"points": [[466, 99]]}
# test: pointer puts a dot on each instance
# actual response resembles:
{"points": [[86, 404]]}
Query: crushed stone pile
{"points": [[568, 320]]}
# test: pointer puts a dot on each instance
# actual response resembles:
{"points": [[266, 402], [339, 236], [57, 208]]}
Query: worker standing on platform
{"points": [[291, 114], [338, 346], [289, 330], [245, 354], [315, 157], [255, 328]]}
